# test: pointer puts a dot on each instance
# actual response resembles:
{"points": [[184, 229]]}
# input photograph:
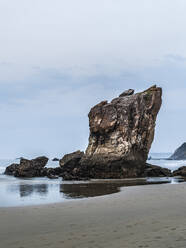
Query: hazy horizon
{"points": [[58, 59]]}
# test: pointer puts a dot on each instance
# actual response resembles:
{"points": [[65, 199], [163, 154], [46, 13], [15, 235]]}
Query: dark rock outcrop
{"points": [[10, 170], [156, 171], [55, 159], [180, 153], [121, 134], [70, 165], [71, 159], [180, 172], [52, 173], [31, 168]]}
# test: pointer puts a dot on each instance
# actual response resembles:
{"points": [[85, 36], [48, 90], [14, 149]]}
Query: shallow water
{"points": [[23, 192], [161, 160]]}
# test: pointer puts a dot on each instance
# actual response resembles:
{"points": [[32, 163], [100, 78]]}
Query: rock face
{"points": [[180, 172], [121, 134], [180, 153], [124, 128]]}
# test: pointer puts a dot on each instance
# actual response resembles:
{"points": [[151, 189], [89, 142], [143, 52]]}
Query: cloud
{"points": [[59, 58], [175, 58]]}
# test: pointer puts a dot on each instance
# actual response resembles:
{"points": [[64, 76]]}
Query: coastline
{"points": [[138, 216]]}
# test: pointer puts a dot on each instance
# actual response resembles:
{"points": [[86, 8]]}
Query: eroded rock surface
{"points": [[121, 134], [124, 127]]}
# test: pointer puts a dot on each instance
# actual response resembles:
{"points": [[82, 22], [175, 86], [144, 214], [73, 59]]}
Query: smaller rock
{"points": [[180, 172], [71, 159], [52, 177], [127, 93], [39, 162], [11, 169], [70, 165], [156, 171], [55, 159], [31, 168]]}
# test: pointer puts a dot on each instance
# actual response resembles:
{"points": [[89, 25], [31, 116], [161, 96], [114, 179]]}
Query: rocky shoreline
{"points": [[71, 162], [33, 168], [121, 134]]}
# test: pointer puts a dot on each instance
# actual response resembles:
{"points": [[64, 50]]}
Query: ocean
{"points": [[161, 160], [22, 192]]}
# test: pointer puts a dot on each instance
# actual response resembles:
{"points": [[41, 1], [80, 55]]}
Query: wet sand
{"points": [[139, 216]]}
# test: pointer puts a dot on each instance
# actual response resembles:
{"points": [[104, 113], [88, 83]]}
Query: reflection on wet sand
{"points": [[87, 190], [49, 191], [28, 189], [105, 187]]}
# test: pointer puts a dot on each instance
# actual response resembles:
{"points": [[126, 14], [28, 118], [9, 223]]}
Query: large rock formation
{"points": [[180, 153], [121, 134]]}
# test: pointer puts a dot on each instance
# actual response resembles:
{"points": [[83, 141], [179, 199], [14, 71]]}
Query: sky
{"points": [[59, 58]]}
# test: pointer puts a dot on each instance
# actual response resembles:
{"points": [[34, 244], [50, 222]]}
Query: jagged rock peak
{"points": [[127, 93]]}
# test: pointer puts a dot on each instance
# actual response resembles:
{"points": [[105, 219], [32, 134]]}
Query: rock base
{"points": [[100, 167], [180, 172]]}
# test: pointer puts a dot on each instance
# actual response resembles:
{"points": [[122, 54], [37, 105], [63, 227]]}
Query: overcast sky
{"points": [[59, 58]]}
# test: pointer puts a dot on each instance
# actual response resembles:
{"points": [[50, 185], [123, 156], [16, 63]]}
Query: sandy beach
{"points": [[139, 216]]}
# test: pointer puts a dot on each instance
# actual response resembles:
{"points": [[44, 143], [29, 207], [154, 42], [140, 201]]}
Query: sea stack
{"points": [[121, 134]]}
